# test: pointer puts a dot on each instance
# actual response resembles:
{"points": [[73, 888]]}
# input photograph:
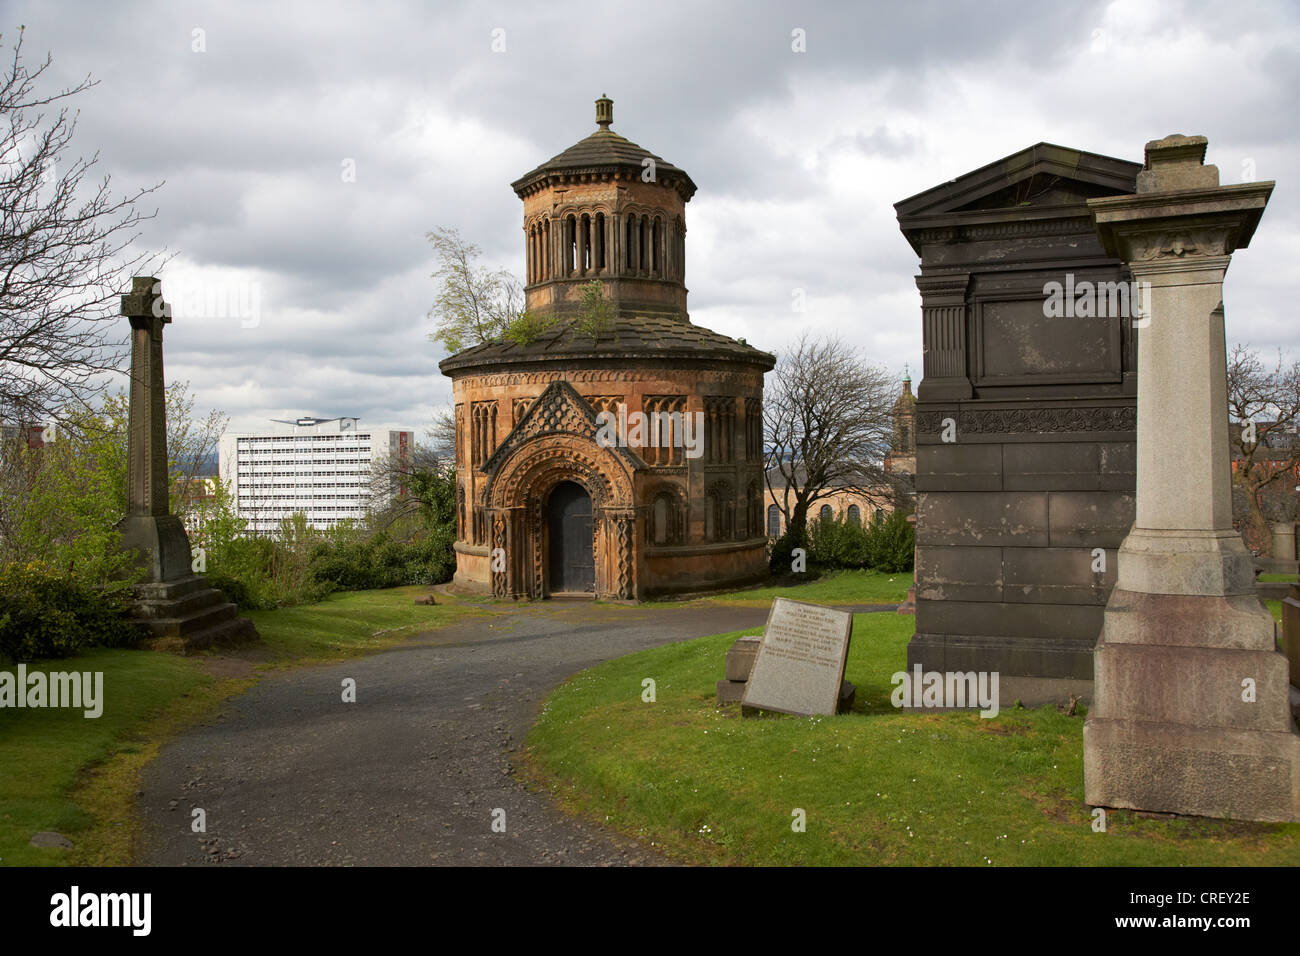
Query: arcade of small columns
{"points": [[633, 242]]}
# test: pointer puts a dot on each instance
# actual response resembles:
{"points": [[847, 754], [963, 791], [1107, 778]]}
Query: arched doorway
{"points": [[571, 565]]}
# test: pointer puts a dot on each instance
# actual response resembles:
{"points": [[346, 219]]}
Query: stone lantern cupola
{"points": [[609, 210]]}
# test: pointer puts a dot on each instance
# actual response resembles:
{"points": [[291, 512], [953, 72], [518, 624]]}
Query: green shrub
{"points": [[783, 550], [47, 613], [838, 543], [892, 543], [527, 327], [234, 589], [885, 545], [383, 563]]}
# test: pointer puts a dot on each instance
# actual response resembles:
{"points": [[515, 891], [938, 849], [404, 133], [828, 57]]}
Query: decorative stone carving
{"points": [[587, 376], [1206, 241], [500, 580], [524, 425], [1031, 420]]}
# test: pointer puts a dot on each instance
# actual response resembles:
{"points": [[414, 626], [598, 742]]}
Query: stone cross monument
{"points": [[174, 605], [149, 526], [1190, 712]]}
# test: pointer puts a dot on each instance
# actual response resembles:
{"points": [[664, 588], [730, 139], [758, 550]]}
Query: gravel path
{"points": [[411, 773]]}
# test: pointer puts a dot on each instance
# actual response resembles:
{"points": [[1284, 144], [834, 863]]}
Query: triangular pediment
{"points": [[1042, 175], [559, 410]]}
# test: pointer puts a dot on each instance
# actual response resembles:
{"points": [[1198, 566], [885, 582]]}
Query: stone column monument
{"points": [[1191, 712], [173, 604], [149, 527]]}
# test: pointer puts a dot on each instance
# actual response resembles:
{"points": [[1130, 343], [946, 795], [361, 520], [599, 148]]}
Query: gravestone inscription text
{"points": [[800, 662]]}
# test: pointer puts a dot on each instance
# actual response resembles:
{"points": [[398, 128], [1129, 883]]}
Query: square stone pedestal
{"points": [[1192, 710]]}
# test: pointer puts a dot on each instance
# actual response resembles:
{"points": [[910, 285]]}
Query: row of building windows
{"points": [[853, 514], [248, 475], [300, 484], [310, 511], [289, 455], [282, 439], [244, 497], [296, 448], [261, 466]]}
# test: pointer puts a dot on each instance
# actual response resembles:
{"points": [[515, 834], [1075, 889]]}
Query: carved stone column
{"points": [[498, 525], [583, 225], [616, 529], [625, 554], [174, 606], [616, 244], [1191, 711], [149, 528], [943, 331], [537, 564]]}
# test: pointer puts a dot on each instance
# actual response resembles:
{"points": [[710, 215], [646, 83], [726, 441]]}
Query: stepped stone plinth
{"points": [[173, 605]]}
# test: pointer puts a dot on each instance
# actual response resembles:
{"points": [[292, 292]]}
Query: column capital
{"points": [[949, 289], [1149, 227]]}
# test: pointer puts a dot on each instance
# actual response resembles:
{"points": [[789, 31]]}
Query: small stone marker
{"points": [[800, 664], [740, 661], [48, 838]]}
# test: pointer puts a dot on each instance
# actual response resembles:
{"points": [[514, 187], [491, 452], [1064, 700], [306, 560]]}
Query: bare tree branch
{"points": [[1264, 408], [828, 417], [65, 256]]}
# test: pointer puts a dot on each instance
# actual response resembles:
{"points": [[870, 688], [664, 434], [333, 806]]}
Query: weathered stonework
{"points": [[173, 606], [1192, 699], [1037, 467], [661, 521]]}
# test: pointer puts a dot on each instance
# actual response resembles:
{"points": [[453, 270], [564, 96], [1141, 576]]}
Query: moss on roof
{"points": [[629, 337]]}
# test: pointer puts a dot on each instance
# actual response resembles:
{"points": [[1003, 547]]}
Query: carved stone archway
{"points": [[516, 497]]}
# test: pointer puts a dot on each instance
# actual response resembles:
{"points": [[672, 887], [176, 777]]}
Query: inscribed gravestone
{"points": [[800, 663]]}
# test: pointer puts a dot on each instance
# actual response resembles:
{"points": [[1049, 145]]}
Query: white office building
{"points": [[321, 467]]}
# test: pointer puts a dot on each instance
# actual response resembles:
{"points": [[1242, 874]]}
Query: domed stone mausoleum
{"points": [[623, 461]]}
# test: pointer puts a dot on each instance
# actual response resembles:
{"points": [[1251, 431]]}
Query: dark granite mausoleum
{"points": [[1025, 422]]}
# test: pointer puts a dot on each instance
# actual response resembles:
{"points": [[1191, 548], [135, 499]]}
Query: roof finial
{"points": [[604, 111]]}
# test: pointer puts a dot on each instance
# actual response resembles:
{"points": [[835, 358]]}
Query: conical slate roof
{"points": [[629, 337], [604, 150]]}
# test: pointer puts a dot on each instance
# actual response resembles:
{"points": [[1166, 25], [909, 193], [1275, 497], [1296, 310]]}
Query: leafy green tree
{"points": [[59, 503], [595, 317], [474, 304]]}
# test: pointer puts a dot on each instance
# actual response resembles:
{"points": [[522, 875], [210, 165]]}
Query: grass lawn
{"points": [[878, 786], [833, 587], [1277, 578], [61, 771], [1275, 608]]}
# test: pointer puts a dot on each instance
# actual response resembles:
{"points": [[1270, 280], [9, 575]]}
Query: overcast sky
{"points": [[253, 114]]}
